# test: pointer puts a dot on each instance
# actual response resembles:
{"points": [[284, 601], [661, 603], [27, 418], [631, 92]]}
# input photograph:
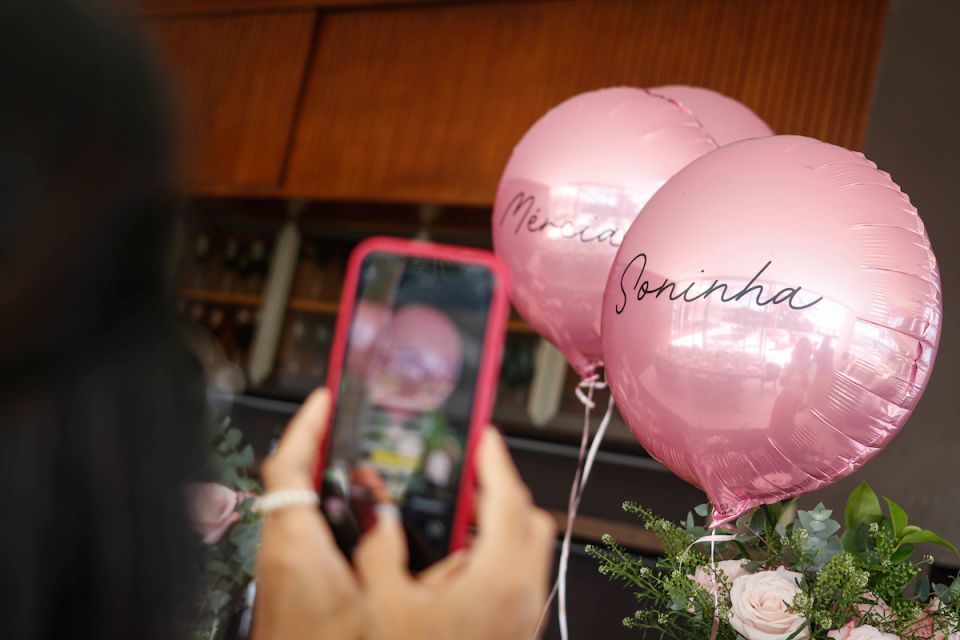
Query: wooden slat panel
{"points": [[425, 103], [206, 7], [240, 80]]}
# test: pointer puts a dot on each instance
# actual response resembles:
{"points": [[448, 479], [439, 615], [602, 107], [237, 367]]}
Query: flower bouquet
{"points": [[780, 573], [223, 513]]}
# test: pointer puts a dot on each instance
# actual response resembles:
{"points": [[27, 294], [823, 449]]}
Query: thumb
{"points": [[291, 466], [381, 557]]}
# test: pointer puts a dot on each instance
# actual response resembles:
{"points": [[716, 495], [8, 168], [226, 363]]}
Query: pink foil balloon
{"points": [[771, 319], [571, 189], [417, 363], [725, 119], [369, 321]]}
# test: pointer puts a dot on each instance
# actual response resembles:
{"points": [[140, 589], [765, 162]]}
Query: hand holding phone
{"points": [[414, 367], [305, 589], [496, 589]]}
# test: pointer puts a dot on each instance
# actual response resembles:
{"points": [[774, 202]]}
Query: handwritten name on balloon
{"points": [[690, 293], [522, 209]]}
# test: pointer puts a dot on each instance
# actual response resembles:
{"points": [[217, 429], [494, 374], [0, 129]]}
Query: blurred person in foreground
{"points": [[101, 409]]}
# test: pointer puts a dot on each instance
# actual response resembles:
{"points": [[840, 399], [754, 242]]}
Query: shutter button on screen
{"points": [[435, 529]]}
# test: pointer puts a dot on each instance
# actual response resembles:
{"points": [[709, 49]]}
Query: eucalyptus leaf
{"points": [[231, 439], [923, 588], [229, 477], [702, 510], [245, 458]]}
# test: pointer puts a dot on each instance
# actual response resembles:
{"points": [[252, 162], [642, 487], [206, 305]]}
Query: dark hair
{"points": [[99, 404]]}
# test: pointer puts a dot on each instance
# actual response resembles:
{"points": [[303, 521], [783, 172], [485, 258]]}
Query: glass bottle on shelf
{"points": [[259, 264], [201, 261], [231, 251]]}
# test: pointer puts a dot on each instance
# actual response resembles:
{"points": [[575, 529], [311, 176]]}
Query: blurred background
{"points": [[308, 125]]}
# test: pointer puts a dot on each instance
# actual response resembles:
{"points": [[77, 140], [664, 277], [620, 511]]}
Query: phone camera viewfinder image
{"points": [[405, 399]]}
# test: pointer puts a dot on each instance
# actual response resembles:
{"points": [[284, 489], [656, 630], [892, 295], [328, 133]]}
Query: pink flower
{"points": [[923, 627], [851, 631], [874, 606], [212, 509], [728, 569]]}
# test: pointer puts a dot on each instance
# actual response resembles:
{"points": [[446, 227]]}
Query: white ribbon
{"points": [[713, 537], [585, 461]]}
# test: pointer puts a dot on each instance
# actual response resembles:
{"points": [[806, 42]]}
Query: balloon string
{"points": [[712, 538], [585, 461]]}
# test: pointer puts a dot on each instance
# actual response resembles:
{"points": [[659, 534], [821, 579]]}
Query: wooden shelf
{"points": [[518, 326], [313, 306], [221, 297], [590, 529], [302, 305]]}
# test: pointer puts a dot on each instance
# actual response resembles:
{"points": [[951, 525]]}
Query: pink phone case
{"points": [[489, 367]]}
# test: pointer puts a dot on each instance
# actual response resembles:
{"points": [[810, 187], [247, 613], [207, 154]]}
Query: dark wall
{"points": [[914, 133]]}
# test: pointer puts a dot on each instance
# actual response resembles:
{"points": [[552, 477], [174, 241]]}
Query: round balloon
{"points": [[370, 319], [725, 119], [771, 319], [416, 364], [571, 189]]}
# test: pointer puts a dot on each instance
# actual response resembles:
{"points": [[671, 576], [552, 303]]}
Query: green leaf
{"points": [[217, 600], [863, 506], [923, 588], [245, 457], [897, 516], [789, 512], [231, 439], [702, 510], [743, 550], [903, 552], [925, 535]]}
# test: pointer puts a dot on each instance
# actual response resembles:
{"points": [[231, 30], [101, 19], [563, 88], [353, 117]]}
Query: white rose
{"points": [[866, 632], [758, 606]]}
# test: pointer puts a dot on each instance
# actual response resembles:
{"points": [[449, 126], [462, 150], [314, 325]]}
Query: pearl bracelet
{"points": [[275, 500]]}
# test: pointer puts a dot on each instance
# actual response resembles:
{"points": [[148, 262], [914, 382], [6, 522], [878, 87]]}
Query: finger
{"points": [[543, 542], [292, 464], [381, 557], [503, 500], [444, 571]]}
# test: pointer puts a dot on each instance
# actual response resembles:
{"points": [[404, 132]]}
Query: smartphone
{"points": [[413, 370]]}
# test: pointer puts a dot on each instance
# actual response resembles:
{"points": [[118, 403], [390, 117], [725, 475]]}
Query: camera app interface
{"points": [[405, 399]]}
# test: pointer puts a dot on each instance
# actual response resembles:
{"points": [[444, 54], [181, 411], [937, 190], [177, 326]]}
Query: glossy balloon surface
{"points": [[771, 319], [417, 362], [725, 119], [570, 191]]}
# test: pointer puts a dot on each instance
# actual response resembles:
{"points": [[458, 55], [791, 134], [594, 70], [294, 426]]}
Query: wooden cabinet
{"points": [[425, 103], [239, 79]]}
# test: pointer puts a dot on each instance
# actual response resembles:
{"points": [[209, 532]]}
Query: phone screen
{"points": [[406, 397]]}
